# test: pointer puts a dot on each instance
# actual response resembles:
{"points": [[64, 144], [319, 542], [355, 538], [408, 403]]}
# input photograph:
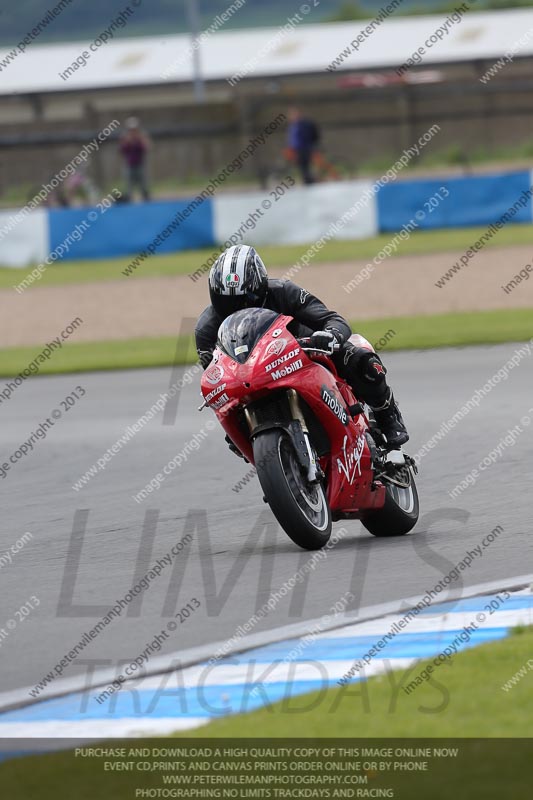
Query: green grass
{"points": [[88, 356], [183, 263], [501, 159], [400, 333], [463, 699], [451, 330]]}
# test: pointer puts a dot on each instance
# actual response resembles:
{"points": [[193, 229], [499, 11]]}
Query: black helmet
{"points": [[238, 279]]}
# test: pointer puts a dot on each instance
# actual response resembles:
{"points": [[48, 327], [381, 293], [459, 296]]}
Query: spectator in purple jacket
{"points": [[303, 139], [134, 146]]}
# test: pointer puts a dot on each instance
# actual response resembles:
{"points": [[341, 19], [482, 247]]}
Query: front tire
{"points": [[301, 508], [400, 513]]}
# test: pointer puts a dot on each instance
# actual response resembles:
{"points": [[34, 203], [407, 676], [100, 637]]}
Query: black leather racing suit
{"points": [[362, 369]]}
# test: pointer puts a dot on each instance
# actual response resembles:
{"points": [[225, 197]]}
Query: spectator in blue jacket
{"points": [[303, 139]]}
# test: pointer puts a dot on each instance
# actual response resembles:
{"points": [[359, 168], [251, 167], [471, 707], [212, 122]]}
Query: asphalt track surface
{"points": [[88, 546]]}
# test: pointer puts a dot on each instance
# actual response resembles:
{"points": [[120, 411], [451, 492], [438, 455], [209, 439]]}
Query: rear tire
{"points": [[400, 513], [301, 509]]}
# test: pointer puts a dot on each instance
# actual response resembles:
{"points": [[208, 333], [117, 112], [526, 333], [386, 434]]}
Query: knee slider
{"points": [[372, 368]]}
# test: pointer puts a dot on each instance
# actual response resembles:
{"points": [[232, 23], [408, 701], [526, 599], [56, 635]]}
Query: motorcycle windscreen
{"points": [[239, 333]]}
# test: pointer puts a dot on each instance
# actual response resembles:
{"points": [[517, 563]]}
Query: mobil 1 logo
{"points": [[330, 400]]}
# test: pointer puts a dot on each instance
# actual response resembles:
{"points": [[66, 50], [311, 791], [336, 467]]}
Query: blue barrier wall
{"points": [[478, 200], [129, 229]]}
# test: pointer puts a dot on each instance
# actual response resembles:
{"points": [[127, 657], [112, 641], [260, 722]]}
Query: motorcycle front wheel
{"points": [[300, 507]]}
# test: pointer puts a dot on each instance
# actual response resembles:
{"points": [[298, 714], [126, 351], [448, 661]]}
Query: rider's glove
{"points": [[324, 340]]}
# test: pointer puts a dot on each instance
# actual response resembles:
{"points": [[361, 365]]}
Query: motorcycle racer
{"points": [[238, 279]]}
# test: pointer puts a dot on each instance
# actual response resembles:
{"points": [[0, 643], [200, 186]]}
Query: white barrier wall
{"points": [[302, 215], [24, 238]]}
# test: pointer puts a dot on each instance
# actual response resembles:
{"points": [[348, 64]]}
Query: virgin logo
{"points": [[275, 348], [214, 375], [350, 464]]}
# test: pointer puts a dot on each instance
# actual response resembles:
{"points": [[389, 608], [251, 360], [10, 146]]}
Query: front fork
{"points": [[296, 411], [298, 432]]}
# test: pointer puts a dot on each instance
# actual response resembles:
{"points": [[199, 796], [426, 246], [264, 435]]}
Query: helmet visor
{"points": [[226, 304]]}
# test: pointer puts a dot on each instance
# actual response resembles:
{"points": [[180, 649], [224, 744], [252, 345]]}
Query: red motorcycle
{"points": [[319, 457]]}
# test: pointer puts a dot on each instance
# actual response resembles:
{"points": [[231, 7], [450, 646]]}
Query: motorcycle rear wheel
{"points": [[301, 508], [401, 510]]}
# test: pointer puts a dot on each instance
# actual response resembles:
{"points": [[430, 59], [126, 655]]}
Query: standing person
{"points": [[303, 139], [134, 146]]}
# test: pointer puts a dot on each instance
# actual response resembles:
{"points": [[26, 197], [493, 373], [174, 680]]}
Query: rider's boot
{"points": [[390, 422]]}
